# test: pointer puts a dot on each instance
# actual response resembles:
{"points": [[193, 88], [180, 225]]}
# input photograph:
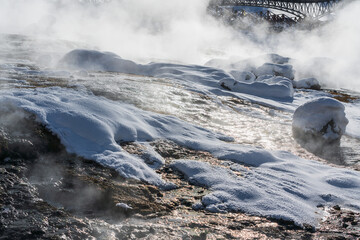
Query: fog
{"points": [[182, 31]]}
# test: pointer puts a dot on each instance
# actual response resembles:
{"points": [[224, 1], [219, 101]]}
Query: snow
{"points": [[278, 185], [307, 83], [243, 76], [284, 70], [98, 61], [313, 116], [352, 111], [275, 87], [289, 188], [91, 127], [196, 78], [123, 206]]}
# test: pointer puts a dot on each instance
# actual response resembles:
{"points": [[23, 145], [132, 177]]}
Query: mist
{"points": [[182, 31]]}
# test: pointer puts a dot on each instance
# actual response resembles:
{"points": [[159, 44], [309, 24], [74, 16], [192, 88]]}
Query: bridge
{"points": [[299, 8]]}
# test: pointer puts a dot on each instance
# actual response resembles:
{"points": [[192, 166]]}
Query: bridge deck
{"points": [[299, 8]]}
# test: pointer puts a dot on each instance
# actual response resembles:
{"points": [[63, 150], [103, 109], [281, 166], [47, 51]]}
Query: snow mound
{"points": [[289, 189], [243, 76], [274, 87], [307, 83], [98, 61], [322, 119], [284, 70], [92, 127]]}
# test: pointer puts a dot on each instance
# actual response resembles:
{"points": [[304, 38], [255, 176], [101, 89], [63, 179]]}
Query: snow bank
{"points": [[91, 127], [320, 121], [197, 78], [289, 189], [243, 76], [274, 87], [284, 70]]}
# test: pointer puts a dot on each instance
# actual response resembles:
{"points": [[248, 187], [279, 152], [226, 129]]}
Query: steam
{"points": [[174, 30]]}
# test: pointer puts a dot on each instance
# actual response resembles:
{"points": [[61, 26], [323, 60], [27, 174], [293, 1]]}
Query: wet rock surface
{"points": [[46, 193]]}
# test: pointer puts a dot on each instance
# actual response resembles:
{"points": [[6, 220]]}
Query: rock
{"points": [[337, 207], [319, 123], [307, 83]]}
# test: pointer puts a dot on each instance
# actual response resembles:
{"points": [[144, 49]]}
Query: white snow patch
{"points": [[91, 126], [243, 76], [123, 206], [289, 188], [274, 87], [284, 70], [352, 111]]}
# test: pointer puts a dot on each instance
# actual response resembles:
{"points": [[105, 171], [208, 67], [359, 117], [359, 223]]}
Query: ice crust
{"points": [[279, 184]]}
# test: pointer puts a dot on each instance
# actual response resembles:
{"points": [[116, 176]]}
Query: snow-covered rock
{"points": [[243, 76], [307, 83], [318, 122], [273, 87], [285, 70], [123, 206], [92, 60]]}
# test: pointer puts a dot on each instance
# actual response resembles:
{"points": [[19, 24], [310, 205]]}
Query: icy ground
{"points": [[93, 112]]}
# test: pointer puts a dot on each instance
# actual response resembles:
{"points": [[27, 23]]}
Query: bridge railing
{"points": [[299, 8]]}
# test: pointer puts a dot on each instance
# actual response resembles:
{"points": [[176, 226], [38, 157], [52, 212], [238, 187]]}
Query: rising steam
{"points": [[181, 30]]}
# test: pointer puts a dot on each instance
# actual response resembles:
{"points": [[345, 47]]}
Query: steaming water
{"points": [[248, 123]]}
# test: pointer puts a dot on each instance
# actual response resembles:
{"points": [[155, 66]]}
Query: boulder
{"points": [[319, 123]]}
